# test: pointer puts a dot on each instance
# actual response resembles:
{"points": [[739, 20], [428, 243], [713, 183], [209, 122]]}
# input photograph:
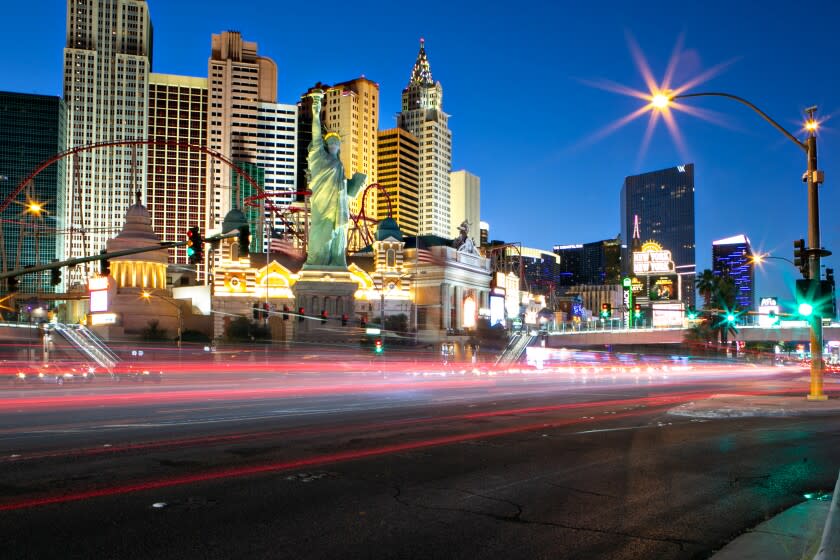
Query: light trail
{"points": [[317, 460], [654, 401]]}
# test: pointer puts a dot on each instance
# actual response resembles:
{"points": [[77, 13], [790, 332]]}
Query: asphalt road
{"points": [[400, 462]]}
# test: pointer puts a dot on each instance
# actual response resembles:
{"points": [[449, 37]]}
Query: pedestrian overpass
{"points": [[658, 336]]}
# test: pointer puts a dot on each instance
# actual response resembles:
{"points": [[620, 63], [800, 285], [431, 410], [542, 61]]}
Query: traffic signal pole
{"points": [[814, 253], [106, 256]]}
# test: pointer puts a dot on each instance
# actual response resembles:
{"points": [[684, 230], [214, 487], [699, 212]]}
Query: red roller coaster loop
{"points": [[361, 220], [250, 201]]}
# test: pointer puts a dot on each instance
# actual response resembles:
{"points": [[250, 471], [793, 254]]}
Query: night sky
{"points": [[516, 81]]}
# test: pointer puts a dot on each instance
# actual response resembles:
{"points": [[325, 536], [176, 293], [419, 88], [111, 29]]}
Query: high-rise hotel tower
{"points": [[422, 115], [247, 125], [107, 60]]}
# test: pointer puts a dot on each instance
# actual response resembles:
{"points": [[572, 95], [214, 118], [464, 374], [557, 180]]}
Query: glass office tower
{"points": [[664, 202]]}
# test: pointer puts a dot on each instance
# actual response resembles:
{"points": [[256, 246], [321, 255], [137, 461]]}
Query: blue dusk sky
{"points": [[517, 83]]}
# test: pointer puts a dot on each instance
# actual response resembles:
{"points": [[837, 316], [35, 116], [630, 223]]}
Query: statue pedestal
{"points": [[329, 289]]}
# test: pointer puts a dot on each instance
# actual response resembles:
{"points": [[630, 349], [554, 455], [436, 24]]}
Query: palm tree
{"points": [[707, 285], [718, 293], [724, 294]]}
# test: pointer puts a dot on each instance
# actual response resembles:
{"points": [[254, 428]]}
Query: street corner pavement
{"points": [[793, 534], [739, 406]]}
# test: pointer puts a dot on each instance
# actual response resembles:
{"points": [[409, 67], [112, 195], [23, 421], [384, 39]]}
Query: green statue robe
{"points": [[329, 207]]}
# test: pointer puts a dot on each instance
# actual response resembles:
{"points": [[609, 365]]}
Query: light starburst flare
{"points": [[660, 98]]}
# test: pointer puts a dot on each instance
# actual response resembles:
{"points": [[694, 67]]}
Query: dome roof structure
{"points": [[388, 228], [234, 220], [137, 232]]}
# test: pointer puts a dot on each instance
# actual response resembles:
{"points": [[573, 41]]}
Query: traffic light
{"points": [[55, 276], [104, 265], [691, 314], [285, 312], [12, 284], [195, 246], [800, 257], [323, 316], [637, 311], [813, 298], [344, 319], [191, 245], [244, 240], [300, 314], [377, 346], [606, 310], [266, 310], [730, 317], [255, 310]]}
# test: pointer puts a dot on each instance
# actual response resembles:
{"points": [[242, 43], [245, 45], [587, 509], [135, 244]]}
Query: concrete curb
{"points": [[740, 406], [830, 543], [791, 535]]}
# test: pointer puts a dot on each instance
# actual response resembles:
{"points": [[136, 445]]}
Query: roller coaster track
{"points": [[360, 221]]}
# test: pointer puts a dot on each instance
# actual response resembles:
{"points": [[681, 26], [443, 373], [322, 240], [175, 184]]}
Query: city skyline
{"points": [[546, 152]]}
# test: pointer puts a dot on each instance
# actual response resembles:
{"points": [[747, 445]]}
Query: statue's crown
{"points": [[332, 135]]}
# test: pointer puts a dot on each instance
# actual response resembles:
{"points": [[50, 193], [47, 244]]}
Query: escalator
{"points": [[515, 348], [87, 343]]}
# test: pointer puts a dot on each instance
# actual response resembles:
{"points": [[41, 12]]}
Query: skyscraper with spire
{"points": [[107, 60], [422, 115]]}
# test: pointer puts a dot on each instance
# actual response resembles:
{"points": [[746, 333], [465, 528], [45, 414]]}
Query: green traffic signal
{"points": [[813, 298], [730, 317]]}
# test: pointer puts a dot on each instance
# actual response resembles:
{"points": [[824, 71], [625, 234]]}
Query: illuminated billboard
{"points": [[663, 288], [768, 309], [497, 310], [667, 314], [652, 259]]}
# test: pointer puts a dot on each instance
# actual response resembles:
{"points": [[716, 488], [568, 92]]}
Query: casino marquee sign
{"points": [[652, 260]]}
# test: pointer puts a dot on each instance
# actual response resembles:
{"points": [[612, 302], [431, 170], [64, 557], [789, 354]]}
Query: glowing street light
{"points": [[759, 258], [660, 100], [664, 101]]}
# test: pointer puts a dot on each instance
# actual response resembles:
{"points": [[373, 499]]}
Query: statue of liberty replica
{"points": [[331, 191]]}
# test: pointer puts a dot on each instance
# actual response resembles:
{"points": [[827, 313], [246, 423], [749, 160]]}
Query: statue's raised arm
{"points": [[317, 96]]}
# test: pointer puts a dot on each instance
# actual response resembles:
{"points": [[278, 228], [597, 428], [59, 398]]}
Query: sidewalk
{"points": [[731, 406], [796, 533]]}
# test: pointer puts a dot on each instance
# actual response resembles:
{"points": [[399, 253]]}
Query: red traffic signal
{"points": [[323, 316], [378, 345]]}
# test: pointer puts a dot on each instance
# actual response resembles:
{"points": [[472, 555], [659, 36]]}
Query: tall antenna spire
{"points": [[422, 72], [636, 243]]}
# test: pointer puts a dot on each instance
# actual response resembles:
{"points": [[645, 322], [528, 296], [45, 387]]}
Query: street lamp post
{"points": [[813, 177]]}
